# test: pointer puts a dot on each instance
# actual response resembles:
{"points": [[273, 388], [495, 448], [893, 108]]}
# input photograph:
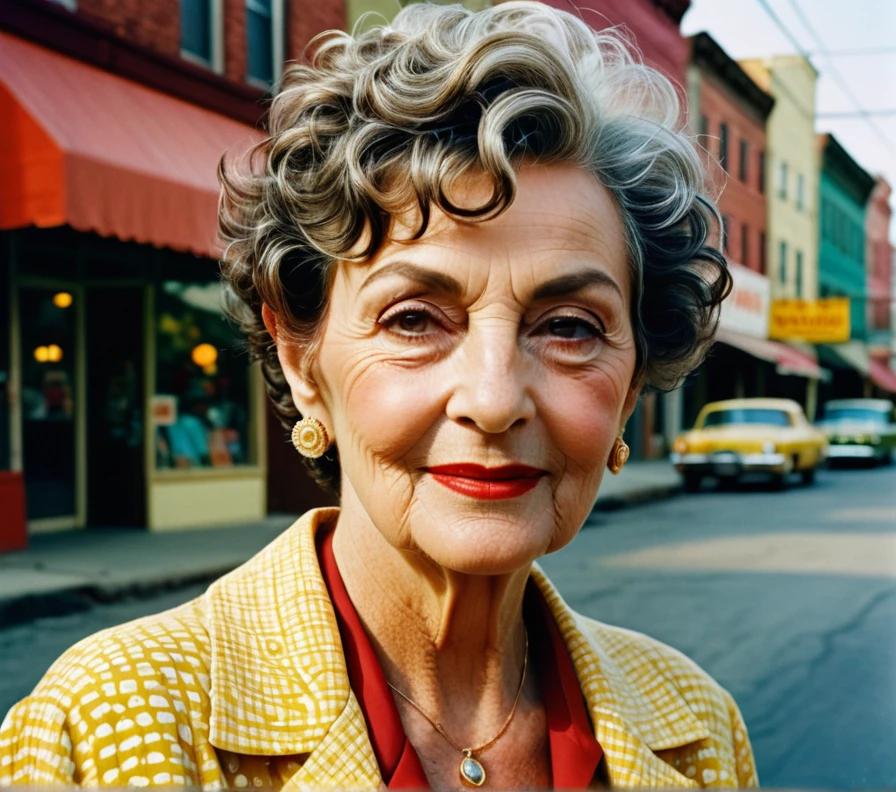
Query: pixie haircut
{"points": [[384, 121]]}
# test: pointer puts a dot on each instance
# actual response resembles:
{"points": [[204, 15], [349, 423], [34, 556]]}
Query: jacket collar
{"points": [[277, 662]]}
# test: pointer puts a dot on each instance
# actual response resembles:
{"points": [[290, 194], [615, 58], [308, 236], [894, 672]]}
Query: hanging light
{"points": [[204, 355], [54, 353], [62, 300], [42, 354]]}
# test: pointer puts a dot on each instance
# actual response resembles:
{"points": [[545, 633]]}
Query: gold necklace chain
{"points": [[471, 769]]}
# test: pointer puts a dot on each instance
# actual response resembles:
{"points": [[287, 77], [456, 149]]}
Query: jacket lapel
{"points": [[633, 717]]}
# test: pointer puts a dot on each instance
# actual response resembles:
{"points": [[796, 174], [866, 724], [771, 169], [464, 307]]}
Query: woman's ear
{"points": [[305, 392]]}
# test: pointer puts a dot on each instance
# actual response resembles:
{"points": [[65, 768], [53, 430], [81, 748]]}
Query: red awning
{"points": [[787, 359], [82, 147], [882, 375]]}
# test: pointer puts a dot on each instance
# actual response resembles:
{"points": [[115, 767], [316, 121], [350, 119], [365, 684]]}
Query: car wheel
{"points": [[691, 482]]}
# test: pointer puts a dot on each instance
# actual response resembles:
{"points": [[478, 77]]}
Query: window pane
{"points": [[742, 164], [761, 170], [201, 406], [723, 145], [196, 28], [744, 244], [48, 400], [259, 36]]}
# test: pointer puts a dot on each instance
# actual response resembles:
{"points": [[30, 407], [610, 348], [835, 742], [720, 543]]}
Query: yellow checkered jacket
{"points": [[246, 686]]}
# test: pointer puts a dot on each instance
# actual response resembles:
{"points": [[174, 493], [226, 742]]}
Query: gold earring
{"points": [[618, 455], [310, 438]]}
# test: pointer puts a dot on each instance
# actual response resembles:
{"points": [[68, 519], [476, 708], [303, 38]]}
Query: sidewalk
{"points": [[66, 572]]}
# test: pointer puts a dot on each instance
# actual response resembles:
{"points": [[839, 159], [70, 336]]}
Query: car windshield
{"points": [[747, 415], [853, 414]]}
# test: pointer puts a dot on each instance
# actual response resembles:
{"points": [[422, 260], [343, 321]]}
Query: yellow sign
{"points": [[817, 321]]}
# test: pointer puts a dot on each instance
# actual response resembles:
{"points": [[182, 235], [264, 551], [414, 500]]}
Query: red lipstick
{"points": [[497, 483]]}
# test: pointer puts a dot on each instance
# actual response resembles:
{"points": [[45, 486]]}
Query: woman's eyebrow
{"points": [[432, 280], [574, 282]]}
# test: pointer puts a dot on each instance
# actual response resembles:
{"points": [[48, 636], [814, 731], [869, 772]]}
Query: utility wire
{"points": [[844, 85]]}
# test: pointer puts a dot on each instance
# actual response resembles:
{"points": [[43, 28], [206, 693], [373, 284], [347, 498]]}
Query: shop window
{"points": [[200, 25], [264, 40], [201, 402], [48, 353]]}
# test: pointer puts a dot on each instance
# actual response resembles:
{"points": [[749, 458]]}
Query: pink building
{"points": [[879, 257]]}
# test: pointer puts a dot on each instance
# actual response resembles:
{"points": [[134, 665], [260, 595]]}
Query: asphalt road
{"points": [[787, 598]]}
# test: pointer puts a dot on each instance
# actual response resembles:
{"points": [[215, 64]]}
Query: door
{"points": [[116, 492], [49, 402]]}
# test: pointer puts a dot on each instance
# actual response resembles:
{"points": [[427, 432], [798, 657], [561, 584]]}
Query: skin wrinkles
{"points": [[438, 577]]}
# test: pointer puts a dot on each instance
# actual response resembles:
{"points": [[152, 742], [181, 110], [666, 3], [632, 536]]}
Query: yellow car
{"points": [[739, 436]]}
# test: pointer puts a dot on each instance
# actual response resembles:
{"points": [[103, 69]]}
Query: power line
{"points": [[863, 114], [859, 52], [844, 85]]}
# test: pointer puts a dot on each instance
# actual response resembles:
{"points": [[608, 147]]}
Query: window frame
{"points": [[216, 39], [724, 140], [278, 45]]}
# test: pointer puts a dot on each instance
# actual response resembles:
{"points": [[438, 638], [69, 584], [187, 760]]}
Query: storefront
{"points": [[744, 362], [125, 396]]}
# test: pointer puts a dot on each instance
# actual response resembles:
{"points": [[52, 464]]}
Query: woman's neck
{"points": [[452, 642]]}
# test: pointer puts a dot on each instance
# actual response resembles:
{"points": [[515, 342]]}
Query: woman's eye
{"points": [[572, 328], [409, 322]]}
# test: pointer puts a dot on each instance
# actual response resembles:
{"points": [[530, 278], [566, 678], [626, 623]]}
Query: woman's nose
{"points": [[492, 389]]}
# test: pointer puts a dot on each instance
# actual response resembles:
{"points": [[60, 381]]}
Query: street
{"points": [[787, 598]]}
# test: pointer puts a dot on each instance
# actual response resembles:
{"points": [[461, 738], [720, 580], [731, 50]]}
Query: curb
{"points": [[637, 497], [75, 599], [16, 610]]}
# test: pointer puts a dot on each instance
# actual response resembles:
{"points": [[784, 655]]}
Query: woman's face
{"points": [[478, 347]]}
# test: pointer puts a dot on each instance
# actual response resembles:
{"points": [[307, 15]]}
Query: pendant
{"points": [[471, 771]]}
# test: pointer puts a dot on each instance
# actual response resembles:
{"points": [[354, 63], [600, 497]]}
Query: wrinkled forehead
{"points": [[561, 216]]}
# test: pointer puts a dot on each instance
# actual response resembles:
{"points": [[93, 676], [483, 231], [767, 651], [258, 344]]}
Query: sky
{"points": [[852, 43]]}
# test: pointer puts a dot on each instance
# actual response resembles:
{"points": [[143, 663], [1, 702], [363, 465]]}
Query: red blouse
{"points": [[575, 753]]}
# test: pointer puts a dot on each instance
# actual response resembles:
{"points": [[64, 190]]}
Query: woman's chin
{"points": [[483, 544]]}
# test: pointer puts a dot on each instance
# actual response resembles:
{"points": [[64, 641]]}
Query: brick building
{"points": [[728, 113], [124, 397]]}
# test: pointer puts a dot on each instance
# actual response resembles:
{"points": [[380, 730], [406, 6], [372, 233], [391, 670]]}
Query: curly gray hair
{"points": [[440, 93]]}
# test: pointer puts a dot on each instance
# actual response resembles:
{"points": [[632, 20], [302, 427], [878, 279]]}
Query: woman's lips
{"points": [[496, 483]]}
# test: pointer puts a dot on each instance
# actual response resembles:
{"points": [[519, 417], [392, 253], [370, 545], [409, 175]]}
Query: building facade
{"points": [[728, 114], [125, 397], [791, 175], [879, 257]]}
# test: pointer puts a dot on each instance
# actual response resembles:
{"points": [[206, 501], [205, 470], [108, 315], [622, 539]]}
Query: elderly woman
{"points": [[470, 241]]}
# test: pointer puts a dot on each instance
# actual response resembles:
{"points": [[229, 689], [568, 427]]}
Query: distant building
{"points": [[842, 272], [791, 175], [879, 257], [125, 399], [728, 114]]}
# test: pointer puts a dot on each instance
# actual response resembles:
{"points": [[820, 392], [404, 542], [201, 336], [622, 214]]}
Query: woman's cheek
{"points": [[391, 407]]}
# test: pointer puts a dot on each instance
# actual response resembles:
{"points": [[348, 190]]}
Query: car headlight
{"points": [[680, 446], [769, 448]]}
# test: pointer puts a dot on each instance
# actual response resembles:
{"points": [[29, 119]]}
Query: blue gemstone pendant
{"points": [[471, 771]]}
